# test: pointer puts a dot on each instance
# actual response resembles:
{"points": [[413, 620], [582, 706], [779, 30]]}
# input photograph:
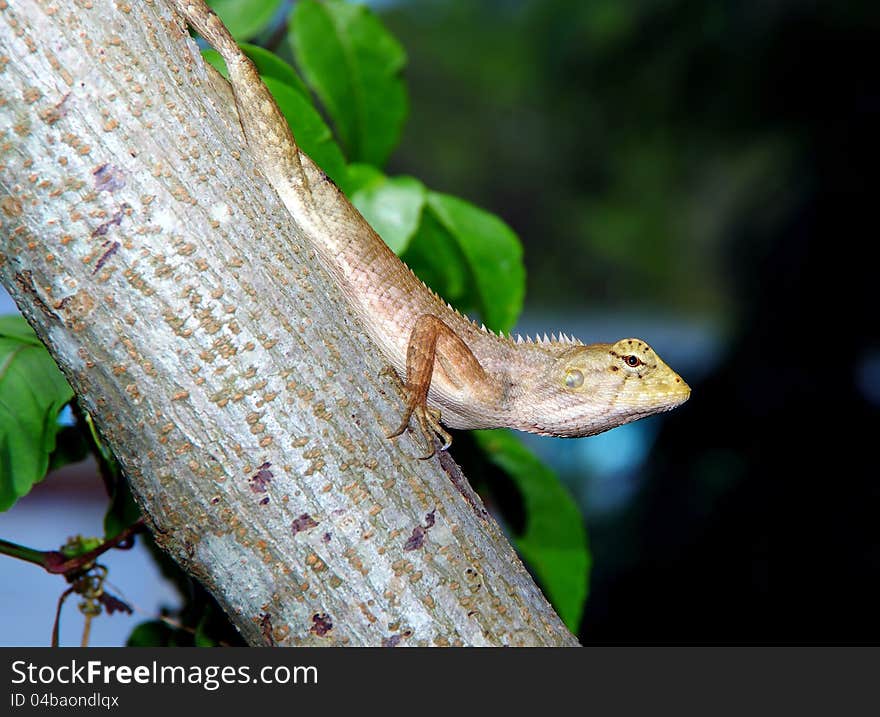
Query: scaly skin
{"points": [[454, 369]]}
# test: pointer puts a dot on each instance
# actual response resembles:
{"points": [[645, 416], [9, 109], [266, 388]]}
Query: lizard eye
{"points": [[632, 361], [574, 378]]}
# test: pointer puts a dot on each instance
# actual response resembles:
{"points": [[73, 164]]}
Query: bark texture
{"points": [[196, 326]]}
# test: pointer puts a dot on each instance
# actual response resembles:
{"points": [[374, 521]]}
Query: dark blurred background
{"points": [[702, 175]]}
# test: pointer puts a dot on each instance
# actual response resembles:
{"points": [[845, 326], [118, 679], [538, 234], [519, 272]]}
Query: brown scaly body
{"points": [[454, 369]]}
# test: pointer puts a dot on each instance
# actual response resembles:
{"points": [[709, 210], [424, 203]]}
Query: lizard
{"points": [[452, 372]]}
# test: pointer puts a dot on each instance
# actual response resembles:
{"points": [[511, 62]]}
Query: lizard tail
{"points": [[265, 128], [206, 22]]}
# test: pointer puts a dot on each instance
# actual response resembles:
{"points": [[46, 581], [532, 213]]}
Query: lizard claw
{"points": [[428, 420]]}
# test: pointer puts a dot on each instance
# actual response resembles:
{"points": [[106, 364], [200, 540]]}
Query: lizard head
{"points": [[599, 386]]}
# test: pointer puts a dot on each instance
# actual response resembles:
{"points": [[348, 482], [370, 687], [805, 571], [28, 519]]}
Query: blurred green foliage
{"points": [[392, 205], [246, 19], [553, 538], [32, 393], [353, 64], [608, 133], [293, 99]]}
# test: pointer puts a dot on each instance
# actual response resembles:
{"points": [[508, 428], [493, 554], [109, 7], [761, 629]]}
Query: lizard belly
{"points": [[465, 406]]}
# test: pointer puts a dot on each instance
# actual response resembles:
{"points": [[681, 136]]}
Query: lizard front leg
{"points": [[432, 341]]}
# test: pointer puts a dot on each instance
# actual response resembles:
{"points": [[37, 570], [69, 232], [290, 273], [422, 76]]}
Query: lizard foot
{"points": [[428, 419]]}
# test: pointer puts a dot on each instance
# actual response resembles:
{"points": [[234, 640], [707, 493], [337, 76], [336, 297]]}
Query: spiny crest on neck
{"points": [[554, 339]]}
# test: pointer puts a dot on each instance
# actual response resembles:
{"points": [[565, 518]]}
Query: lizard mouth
{"points": [[673, 392], [675, 398], [682, 391]]}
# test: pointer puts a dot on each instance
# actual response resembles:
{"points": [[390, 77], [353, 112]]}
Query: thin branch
{"points": [[37, 557], [57, 563], [56, 627], [87, 630]]}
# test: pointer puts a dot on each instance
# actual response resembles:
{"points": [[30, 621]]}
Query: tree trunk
{"points": [[217, 357]]}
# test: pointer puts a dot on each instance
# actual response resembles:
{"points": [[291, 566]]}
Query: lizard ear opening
{"points": [[574, 378]]}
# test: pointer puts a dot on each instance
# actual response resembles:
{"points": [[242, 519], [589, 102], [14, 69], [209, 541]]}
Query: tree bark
{"points": [[217, 357]]}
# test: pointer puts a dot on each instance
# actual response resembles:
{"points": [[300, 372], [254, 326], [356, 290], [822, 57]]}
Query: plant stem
{"points": [[56, 627], [53, 561], [87, 629], [38, 557]]}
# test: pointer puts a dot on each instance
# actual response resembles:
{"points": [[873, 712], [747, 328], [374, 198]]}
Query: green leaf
{"points": [[215, 59], [153, 633], [434, 255], [353, 64], [245, 19], [270, 65], [14, 326], [311, 132], [554, 543], [364, 176], [493, 253], [77, 545], [32, 392], [392, 205], [203, 636]]}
